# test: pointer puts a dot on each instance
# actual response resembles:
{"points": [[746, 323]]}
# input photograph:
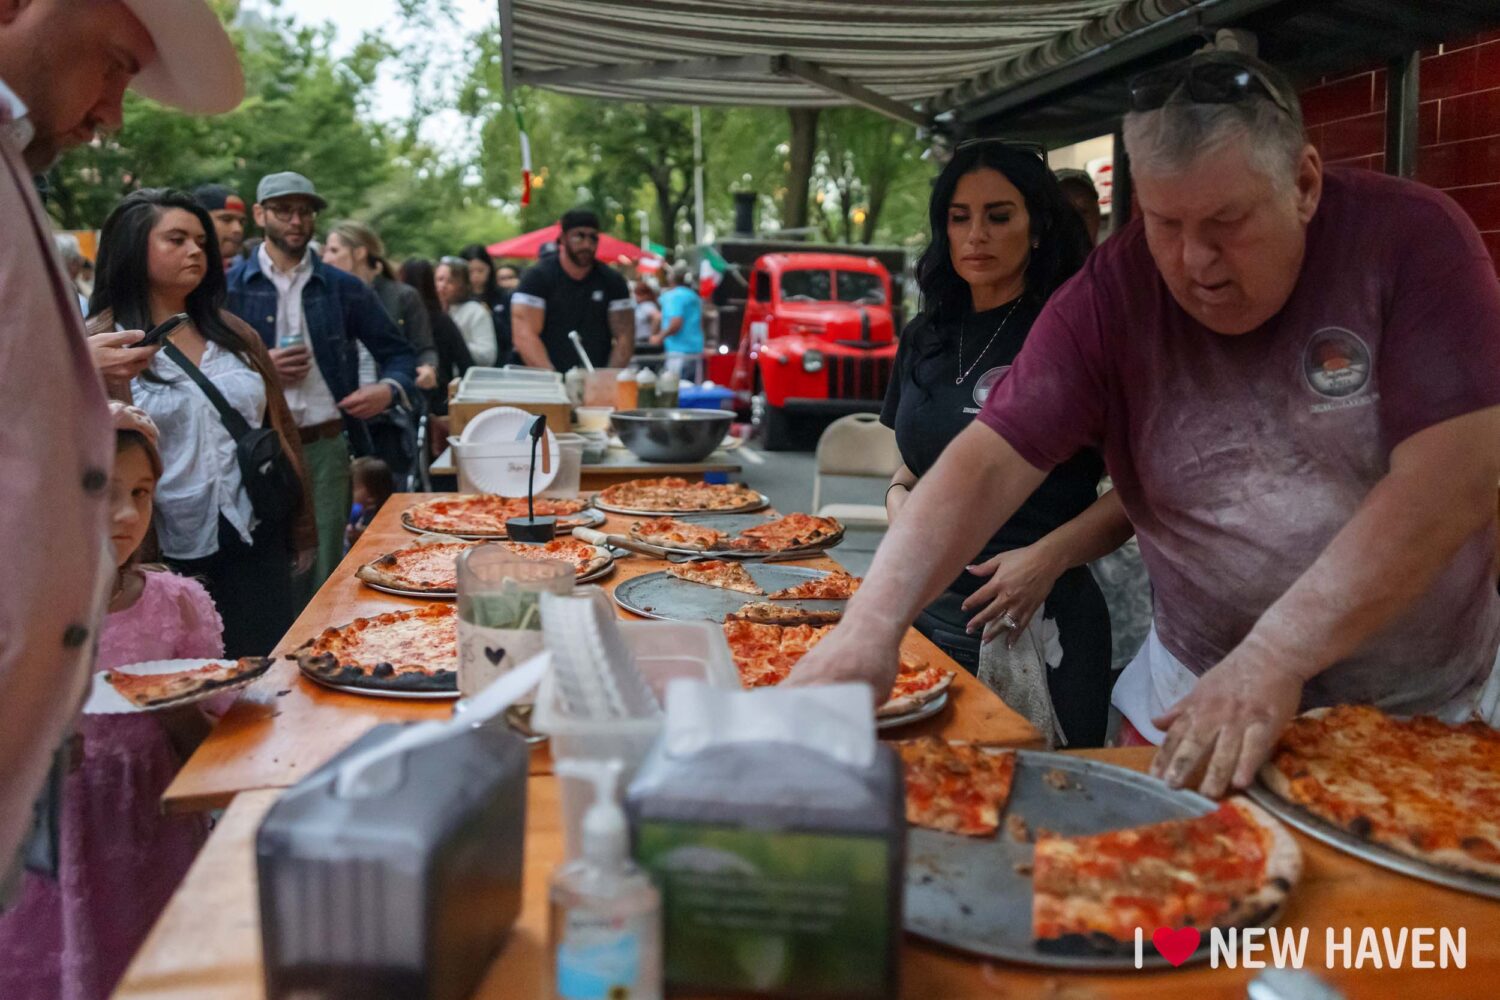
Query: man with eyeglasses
{"points": [[1293, 373], [573, 291], [310, 315]]}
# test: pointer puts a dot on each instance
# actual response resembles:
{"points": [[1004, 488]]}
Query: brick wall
{"points": [[1458, 125]]}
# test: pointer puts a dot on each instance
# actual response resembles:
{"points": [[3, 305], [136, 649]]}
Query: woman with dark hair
{"points": [[1004, 239], [453, 358], [484, 279], [157, 257], [472, 316]]}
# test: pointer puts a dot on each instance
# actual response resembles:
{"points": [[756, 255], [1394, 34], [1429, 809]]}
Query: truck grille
{"points": [[857, 377]]}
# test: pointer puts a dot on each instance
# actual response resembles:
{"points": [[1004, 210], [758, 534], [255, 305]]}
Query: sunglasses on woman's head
{"points": [[1205, 82], [1033, 148]]}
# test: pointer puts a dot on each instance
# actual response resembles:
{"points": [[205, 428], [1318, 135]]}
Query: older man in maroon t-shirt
{"points": [[1294, 376]]}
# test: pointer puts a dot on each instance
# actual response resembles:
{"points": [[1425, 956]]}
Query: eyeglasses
{"points": [[1033, 148], [1205, 82], [286, 213]]}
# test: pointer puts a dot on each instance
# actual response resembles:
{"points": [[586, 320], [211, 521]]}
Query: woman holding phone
{"points": [[157, 258]]}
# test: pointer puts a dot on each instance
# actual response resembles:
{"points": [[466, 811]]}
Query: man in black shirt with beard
{"points": [[573, 291]]}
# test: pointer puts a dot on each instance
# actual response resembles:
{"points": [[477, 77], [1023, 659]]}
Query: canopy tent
{"points": [[1053, 70], [528, 245]]}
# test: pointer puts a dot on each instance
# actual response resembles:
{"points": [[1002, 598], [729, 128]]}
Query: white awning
{"points": [[904, 58]]}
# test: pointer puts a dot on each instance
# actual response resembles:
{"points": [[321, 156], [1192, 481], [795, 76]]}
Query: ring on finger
{"points": [[1008, 621]]}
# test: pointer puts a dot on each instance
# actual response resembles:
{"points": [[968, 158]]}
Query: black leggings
{"points": [[251, 585], [1080, 685]]}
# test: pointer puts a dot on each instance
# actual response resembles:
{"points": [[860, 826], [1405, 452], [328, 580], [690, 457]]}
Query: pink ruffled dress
{"points": [[121, 858]]}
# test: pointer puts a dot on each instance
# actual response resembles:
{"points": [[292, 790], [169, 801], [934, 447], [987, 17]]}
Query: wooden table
{"points": [[284, 726], [620, 465], [206, 946]]}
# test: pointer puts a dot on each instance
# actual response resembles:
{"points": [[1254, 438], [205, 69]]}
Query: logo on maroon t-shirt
{"points": [[987, 383], [1336, 363]]}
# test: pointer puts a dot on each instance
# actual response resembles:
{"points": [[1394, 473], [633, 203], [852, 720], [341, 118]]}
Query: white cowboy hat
{"points": [[196, 68]]}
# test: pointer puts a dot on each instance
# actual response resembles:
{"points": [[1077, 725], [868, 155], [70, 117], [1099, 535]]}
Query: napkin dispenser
{"points": [[405, 886], [773, 824]]}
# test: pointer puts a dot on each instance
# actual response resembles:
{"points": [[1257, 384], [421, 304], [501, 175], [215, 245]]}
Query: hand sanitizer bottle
{"points": [[605, 924]]}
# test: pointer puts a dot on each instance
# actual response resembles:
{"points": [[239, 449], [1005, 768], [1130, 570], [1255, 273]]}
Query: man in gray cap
{"points": [[309, 314], [64, 67]]}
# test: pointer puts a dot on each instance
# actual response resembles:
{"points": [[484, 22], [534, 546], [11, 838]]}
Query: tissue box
{"points": [[780, 869], [403, 894]]}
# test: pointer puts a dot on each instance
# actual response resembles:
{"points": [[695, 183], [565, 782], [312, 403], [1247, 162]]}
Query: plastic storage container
{"points": [[664, 651], [569, 469]]}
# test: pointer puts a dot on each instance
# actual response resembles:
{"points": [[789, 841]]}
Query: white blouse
{"points": [[477, 326], [200, 472]]}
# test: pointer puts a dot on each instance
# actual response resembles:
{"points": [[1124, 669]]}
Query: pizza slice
{"points": [[792, 531], [1232, 867], [955, 787], [837, 586], [675, 534], [718, 573], [768, 613], [161, 690]]}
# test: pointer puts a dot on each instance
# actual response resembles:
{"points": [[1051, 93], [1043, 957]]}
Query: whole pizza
{"points": [[672, 495], [765, 655], [1232, 867], [484, 515], [1416, 786], [432, 568], [411, 650]]}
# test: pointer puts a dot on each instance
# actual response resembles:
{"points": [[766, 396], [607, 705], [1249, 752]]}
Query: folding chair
{"points": [[858, 445]]}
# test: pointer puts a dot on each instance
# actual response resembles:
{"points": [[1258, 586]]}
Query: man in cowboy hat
{"points": [[64, 67]]}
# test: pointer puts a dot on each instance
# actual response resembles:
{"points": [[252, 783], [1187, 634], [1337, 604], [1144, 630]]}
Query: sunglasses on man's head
{"points": [[1204, 83]]}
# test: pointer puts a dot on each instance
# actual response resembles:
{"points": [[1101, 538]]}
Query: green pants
{"points": [[328, 466]]}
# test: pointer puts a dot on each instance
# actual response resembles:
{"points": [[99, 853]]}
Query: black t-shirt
{"points": [[498, 299], [927, 409], [574, 305]]}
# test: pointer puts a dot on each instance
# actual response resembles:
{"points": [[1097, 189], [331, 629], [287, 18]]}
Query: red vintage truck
{"points": [[818, 339]]}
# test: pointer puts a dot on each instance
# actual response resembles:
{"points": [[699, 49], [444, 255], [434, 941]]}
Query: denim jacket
{"points": [[338, 310]]}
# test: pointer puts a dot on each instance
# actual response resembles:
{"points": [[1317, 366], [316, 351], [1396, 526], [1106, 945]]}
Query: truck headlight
{"points": [[812, 361]]}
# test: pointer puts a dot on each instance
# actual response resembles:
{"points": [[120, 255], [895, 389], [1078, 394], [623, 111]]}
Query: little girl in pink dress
{"points": [[120, 857]]}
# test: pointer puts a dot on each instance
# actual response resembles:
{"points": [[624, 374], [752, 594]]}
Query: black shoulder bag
{"points": [[269, 477]]}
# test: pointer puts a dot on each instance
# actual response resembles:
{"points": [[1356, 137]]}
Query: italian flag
{"points": [[525, 157], [711, 268]]}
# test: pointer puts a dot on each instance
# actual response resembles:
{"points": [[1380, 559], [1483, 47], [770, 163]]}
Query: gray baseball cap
{"points": [[286, 184]]}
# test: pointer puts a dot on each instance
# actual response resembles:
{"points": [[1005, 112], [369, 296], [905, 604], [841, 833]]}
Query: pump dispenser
{"points": [[605, 912]]}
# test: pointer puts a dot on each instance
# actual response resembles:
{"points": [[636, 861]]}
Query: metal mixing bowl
{"points": [[666, 435]]}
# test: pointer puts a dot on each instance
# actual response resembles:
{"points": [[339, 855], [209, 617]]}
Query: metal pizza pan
{"points": [[586, 518], [761, 503], [966, 892], [1295, 816], [372, 692], [663, 596]]}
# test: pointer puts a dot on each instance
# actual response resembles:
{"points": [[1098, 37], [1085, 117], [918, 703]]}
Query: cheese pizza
{"points": [[178, 686], [411, 650], [484, 515], [672, 495]]}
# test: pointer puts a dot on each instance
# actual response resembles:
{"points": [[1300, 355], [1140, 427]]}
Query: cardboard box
{"points": [[559, 415]]}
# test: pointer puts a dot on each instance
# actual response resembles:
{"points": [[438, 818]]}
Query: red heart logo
{"points": [[1176, 946]]}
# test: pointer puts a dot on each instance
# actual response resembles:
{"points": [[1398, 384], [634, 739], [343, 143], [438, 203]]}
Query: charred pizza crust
{"points": [[767, 613], [415, 649], [1418, 786], [1233, 867], [790, 531], [178, 686]]}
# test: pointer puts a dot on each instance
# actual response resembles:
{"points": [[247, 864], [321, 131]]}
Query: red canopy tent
{"points": [[611, 250]]}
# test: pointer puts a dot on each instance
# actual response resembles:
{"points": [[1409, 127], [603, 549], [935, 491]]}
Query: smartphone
{"points": [[159, 332]]}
